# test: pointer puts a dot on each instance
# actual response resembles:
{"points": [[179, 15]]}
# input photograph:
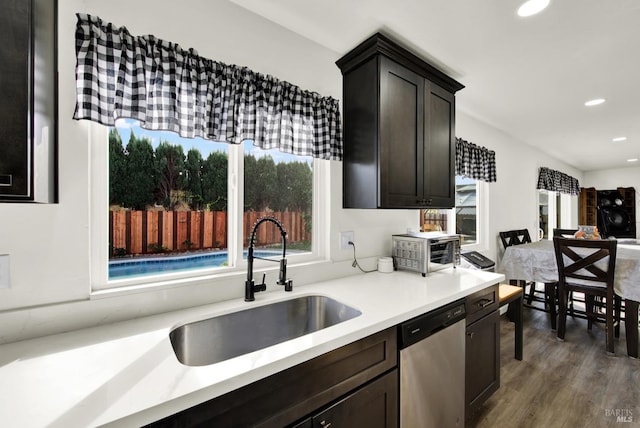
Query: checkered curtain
{"points": [[474, 161], [549, 179], [166, 87]]}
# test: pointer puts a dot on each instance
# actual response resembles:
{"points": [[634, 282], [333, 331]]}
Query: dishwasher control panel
{"points": [[425, 325]]}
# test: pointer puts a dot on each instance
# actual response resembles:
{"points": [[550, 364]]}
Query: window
{"points": [[468, 218], [215, 101], [172, 206]]}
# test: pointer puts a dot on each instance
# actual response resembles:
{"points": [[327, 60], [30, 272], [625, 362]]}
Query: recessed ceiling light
{"points": [[594, 102], [619, 139], [532, 7], [632, 160]]}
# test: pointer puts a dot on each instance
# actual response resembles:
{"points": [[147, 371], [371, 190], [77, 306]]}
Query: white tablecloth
{"points": [[537, 262]]}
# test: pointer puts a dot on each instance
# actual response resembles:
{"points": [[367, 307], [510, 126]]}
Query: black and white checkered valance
{"points": [[475, 162], [166, 87], [556, 181]]}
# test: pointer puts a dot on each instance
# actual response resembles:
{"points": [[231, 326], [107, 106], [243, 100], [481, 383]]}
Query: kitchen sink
{"points": [[220, 338]]}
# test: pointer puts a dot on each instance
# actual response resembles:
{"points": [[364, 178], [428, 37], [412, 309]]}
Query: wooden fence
{"points": [[144, 232]]}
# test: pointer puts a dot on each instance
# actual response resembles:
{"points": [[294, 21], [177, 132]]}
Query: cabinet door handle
{"points": [[470, 334], [325, 424], [484, 303]]}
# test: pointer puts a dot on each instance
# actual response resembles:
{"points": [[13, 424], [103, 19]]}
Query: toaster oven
{"points": [[425, 252]]}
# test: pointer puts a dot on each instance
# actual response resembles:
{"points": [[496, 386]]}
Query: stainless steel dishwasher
{"points": [[432, 368]]}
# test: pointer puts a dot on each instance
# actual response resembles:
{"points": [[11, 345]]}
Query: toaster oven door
{"points": [[443, 254]]}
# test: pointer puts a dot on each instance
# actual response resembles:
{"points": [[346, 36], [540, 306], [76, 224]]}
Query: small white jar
{"points": [[385, 264]]}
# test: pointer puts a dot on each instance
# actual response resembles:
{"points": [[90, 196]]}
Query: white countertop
{"points": [[126, 374]]}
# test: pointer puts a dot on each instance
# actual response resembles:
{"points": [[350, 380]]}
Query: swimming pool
{"points": [[154, 265]]}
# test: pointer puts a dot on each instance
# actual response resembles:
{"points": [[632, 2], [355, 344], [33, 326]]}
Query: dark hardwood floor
{"points": [[563, 384]]}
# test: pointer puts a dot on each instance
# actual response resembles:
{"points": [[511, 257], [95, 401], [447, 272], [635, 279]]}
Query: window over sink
{"points": [[174, 207]]}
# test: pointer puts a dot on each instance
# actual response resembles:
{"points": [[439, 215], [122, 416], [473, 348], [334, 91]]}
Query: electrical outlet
{"points": [[345, 237], [4, 271]]}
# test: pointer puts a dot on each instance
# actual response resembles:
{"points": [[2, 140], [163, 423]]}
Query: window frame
{"points": [[482, 219], [565, 213], [98, 135]]}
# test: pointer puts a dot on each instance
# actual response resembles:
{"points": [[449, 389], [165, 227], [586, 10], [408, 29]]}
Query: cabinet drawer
{"points": [[285, 397], [374, 405], [481, 303]]}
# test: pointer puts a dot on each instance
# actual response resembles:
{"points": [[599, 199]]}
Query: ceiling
{"points": [[528, 77]]}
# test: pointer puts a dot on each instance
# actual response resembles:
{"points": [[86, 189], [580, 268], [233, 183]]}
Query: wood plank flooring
{"points": [[562, 384]]}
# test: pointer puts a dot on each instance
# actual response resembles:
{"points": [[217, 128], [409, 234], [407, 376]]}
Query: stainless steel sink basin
{"points": [[226, 336]]}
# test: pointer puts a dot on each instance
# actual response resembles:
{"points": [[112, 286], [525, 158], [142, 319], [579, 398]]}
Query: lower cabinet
{"points": [[354, 383], [482, 366], [353, 386], [374, 406]]}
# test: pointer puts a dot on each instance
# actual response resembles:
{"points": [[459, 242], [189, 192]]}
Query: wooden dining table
{"points": [[536, 262]]}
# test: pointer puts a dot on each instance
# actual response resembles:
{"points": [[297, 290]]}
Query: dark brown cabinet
{"points": [[482, 367], [399, 129], [352, 383], [28, 90], [587, 207], [374, 405]]}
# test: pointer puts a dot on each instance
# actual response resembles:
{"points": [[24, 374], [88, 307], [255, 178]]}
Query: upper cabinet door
{"points": [[440, 147], [402, 137]]}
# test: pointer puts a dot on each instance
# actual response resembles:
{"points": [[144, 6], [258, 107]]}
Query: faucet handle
{"points": [[262, 286]]}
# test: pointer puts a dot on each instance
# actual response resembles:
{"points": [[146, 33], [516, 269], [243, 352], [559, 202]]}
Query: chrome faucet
{"points": [[250, 287]]}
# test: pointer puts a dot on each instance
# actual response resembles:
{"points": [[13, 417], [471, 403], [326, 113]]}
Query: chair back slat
{"points": [[515, 237], [567, 233]]}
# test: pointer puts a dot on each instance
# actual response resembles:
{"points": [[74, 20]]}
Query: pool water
{"points": [[155, 265]]}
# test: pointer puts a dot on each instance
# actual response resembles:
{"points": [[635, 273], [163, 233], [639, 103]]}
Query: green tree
{"points": [[140, 173], [250, 196], [193, 179], [169, 161], [117, 169], [260, 184], [295, 181], [214, 181], [300, 190]]}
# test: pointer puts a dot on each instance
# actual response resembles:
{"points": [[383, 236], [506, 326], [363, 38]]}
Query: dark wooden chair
{"points": [[518, 237], [569, 233], [588, 266]]}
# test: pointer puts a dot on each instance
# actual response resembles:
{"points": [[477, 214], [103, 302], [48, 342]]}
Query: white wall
{"points": [[608, 179], [513, 198]]}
